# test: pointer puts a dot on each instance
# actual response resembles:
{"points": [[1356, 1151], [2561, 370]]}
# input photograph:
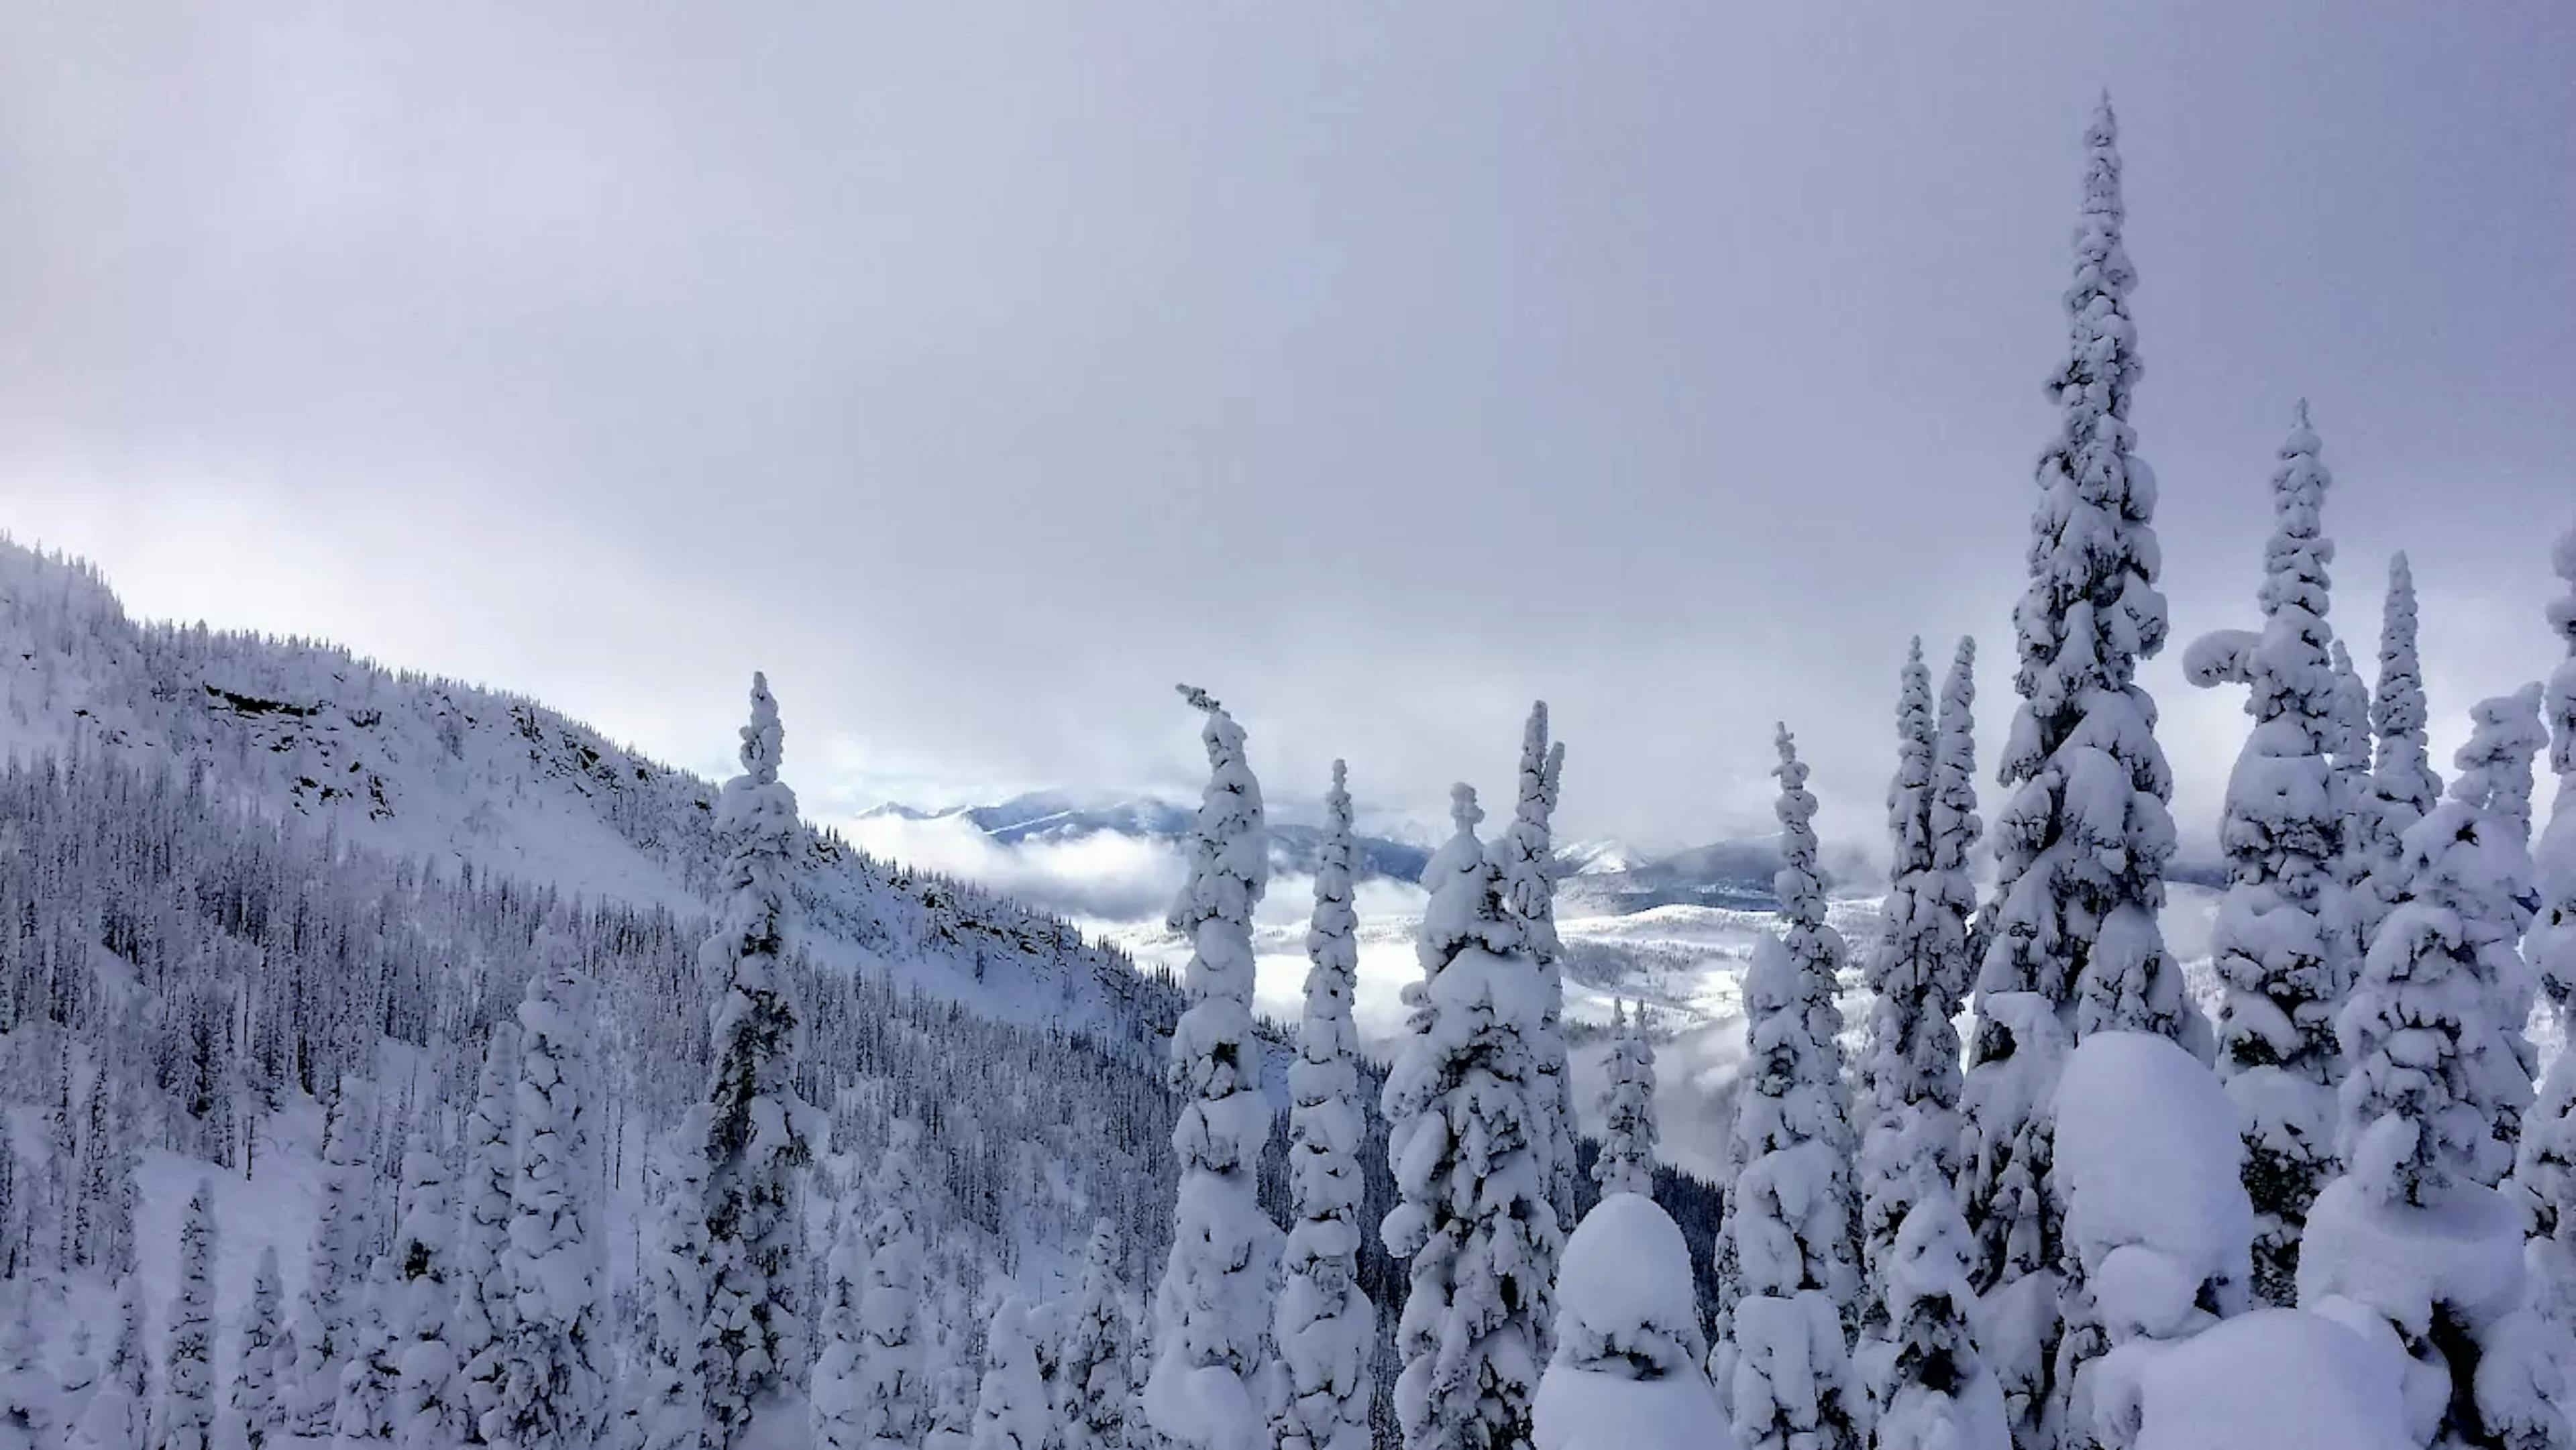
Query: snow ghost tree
{"points": [[1472, 1212], [1788, 1252], [329, 1308], [671, 1407], [261, 1355], [1929, 1385], [187, 1412], [27, 1389], [2530, 1393], [1527, 855], [1628, 1133], [1012, 1412], [759, 1133], [2082, 838], [1209, 1308], [1093, 1365], [483, 1226], [114, 1418], [2006, 1155], [1326, 1328], [2082, 841], [551, 1390], [1626, 1370], [2527, 1369], [363, 1413], [2416, 1229], [892, 1390], [832, 1395], [428, 1413], [2403, 787], [2279, 942], [2551, 947], [1920, 964]]}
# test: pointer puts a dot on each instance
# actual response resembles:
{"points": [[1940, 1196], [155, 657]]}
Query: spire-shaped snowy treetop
{"points": [[2279, 943], [1326, 1327], [2403, 787], [1628, 1131], [1209, 1313], [2081, 844], [1919, 966], [1472, 1211], [759, 1132], [1788, 1251], [1528, 855]]}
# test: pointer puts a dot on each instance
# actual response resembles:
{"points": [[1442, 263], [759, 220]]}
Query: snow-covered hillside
{"points": [[255, 879], [466, 777]]}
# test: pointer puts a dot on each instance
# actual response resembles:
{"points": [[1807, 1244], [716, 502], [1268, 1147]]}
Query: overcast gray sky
{"points": [[981, 370]]}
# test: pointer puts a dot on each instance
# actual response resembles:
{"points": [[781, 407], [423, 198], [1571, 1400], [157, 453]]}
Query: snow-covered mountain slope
{"points": [[464, 777]]}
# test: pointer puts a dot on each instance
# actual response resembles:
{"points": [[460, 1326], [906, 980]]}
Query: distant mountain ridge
{"points": [[1602, 877]]}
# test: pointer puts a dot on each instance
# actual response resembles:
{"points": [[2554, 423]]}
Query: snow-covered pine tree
{"points": [[2081, 841], [186, 1416], [671, 1408], [832, 1390], [1046, 1329], [483, 1298], [428, 1408], [1093, 1365], [1326, 1327], [1472, 1201], [1527, 854], [1919, 966], [759, 1133], [2279, 941], [2524, 1375], [2524, 1384], [335, 1283], [1628, 1134], [1209, 1305], [2435, 1070], [362, 1412], [2081, 844], [2403, 787], [27, 1389], [892, 1388], [551, 1392], [2551, 946], [114, 1418], [1140, 1433], [102, 1217], [260, 1355], [1788, 1244], [2440, 1076], [952, 1406], [1011, 1412], [1931, 1389], [2349, 750]]}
